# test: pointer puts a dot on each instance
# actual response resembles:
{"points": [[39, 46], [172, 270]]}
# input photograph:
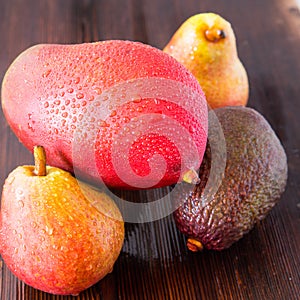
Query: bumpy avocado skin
{"points": [[255, 176]]}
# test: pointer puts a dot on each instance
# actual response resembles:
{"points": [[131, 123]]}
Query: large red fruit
{"points": [[118, 111]]}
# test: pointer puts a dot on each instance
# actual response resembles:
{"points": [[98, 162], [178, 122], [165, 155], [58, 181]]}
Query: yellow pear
{"points": [[57, 234], [206, 45]]}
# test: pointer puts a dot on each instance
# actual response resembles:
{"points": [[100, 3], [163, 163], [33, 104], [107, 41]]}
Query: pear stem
{"points": [[191, 177], [39, 161]]}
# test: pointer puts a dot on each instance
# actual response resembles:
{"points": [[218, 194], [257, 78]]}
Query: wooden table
{"points": [[154, 262]]}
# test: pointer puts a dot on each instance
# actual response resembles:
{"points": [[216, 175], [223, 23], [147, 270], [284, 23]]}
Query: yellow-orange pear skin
{"points": [[206, 45], [57, 234]]}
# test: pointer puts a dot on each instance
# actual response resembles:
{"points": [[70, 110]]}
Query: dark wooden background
{"points": [[154, 262]]}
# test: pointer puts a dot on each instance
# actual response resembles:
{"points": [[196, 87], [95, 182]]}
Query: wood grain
{"points": [[155, 263]]}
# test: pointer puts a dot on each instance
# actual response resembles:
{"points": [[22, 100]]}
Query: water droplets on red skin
{"points": [[145, 146], [79, 74]]}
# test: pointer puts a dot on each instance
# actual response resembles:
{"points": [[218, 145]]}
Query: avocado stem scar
{"points": [[194, 245]]}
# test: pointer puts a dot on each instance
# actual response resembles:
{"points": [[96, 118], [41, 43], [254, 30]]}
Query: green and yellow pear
{"points": [[206, 45]]}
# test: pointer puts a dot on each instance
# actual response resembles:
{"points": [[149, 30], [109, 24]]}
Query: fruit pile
{"points": [[124, 114]]}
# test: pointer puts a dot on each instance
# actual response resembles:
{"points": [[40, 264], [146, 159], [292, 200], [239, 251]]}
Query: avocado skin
{"points": [[254, 179]]}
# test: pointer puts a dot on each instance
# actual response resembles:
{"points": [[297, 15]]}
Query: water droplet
{"points": [[89, 267], [79, 96], [64, 114], [191, 129], [49, 230], [70, 90], [98, 91], [29, 125], [36, 203], [46, 104], [55, 247], [19, 191], [60, 223], [61, 94], [46, 73], [103, 123], [10, 179], [113, 113], [63, 248], [33, 224], [76, 80], [21, 203], [57, 102]]}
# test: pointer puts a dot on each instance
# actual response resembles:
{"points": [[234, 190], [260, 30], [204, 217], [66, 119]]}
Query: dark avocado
{"points": [[254, 177]]}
